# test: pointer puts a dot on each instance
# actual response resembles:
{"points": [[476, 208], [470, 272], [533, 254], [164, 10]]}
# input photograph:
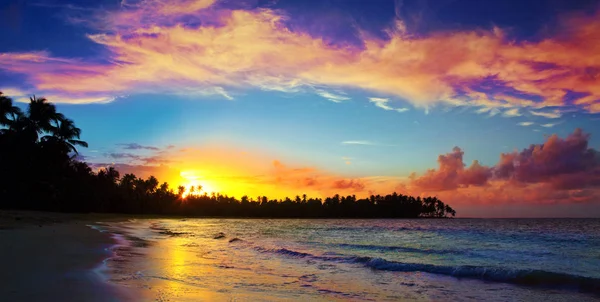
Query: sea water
{"points": [[357, 260]]}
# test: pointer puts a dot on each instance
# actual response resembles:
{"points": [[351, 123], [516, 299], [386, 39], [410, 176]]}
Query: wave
{"points": [[515, 276], [526, 277], [481, 253], [397, 248], [285, 252]]}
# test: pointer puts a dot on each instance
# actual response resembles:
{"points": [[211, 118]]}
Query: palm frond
{"points": [[78, 143]]}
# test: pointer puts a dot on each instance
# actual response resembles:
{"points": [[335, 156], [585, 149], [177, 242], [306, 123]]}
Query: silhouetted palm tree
{"points": [[43, 116], [67, 134], [8, 112]]}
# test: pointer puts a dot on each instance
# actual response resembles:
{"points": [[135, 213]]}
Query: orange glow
{"points": [[232, 172], [196, 184]]}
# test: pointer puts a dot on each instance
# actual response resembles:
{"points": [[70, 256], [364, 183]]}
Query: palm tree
{"points": [[66, 134], [8, 112], [43, 115]]}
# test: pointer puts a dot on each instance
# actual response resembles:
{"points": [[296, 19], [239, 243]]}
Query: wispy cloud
{"points": [[135, 146], [512, 112], [525, 124], [489, 110], [336, 98], [124, 156], [366, 143], [19, 95], [147, 160], [549, 125], [552, 114], [383, 104]]}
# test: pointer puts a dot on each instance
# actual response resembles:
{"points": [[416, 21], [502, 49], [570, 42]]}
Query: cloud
{"points": [[13, 92], [549, 125], [139, 159], [552, 114], [383, 104], [452, 174], [19, 95], [352, 184], [491, 111], [158, 48], [120, 156], [552, 161], [365, 143], [306, 177], [559, 171], [336, 98], [135, 146], [512, 112], [525, 124]]}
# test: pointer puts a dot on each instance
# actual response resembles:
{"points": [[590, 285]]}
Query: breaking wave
{"points": [[495, 274]]}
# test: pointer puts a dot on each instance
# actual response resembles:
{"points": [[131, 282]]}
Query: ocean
{"points": [[356, 260]]}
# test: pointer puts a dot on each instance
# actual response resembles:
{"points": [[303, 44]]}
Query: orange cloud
{"points": [[559, 171], [153, 51], [452, 174]]}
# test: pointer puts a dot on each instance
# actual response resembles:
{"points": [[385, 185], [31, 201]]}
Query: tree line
{"points": [[40, 171]]}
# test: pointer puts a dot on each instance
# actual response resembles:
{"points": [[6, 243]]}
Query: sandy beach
{"points": [[53, 257]]}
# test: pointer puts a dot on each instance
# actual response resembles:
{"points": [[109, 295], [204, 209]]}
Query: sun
{"points": [[193, 181]]}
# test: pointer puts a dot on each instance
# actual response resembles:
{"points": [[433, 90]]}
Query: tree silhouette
{"points": [[65, 134], [42, 115], [8, 112], [38, 173]]}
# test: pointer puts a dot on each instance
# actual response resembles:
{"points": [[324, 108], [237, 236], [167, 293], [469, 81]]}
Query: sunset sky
{"points": [[493, 106]]}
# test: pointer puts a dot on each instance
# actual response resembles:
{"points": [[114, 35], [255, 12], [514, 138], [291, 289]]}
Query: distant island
{"points": [[40, 172]]}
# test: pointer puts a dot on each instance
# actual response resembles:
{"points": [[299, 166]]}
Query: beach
{"points": [[54, 257], [93, 257], [220, 259]]}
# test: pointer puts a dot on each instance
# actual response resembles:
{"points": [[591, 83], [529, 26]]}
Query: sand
{"points": [[54, 257]]}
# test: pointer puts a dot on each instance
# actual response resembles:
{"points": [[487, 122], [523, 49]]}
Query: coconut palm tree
{"points": [[66, 134], [8, 112], [43, 116]]}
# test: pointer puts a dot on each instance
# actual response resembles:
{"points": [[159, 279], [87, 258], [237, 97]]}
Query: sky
{"points": [[493, 106]]}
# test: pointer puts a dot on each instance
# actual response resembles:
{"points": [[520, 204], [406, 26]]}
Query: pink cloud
{"points": [[561, 170], [452, 174], [555, 158], [153, 52], [322, 181], [353, 184]]}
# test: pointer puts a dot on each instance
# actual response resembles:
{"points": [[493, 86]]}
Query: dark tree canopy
{"points": [[39, 171]]}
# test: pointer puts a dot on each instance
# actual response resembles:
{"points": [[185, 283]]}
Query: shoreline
{"points": [[56, 257]]}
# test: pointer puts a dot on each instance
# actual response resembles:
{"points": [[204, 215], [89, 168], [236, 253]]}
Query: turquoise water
{"points": [[422, 260]]}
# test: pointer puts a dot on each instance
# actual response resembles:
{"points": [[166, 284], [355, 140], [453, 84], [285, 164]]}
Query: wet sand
{"points": [[54, 257]]}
